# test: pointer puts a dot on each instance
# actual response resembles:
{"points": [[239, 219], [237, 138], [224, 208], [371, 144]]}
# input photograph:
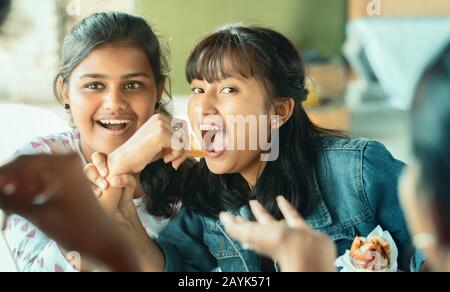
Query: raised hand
{"points": [[53, 193], [161, 137], [291, 242], [116, 198]]}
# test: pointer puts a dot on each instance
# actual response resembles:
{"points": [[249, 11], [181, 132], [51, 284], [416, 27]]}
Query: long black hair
{"points": [[273, 60], [5, 6], [431, 130], [108, 28]]}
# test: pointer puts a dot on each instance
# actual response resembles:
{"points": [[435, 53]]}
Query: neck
{"points": [[253, 173], [86, 151]]}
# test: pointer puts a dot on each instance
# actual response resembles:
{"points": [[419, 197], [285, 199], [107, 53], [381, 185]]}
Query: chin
{"points": [[218, 168], [109, 148]]}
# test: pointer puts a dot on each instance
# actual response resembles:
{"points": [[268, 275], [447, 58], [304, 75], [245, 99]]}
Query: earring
{"points": [[67, 106]]}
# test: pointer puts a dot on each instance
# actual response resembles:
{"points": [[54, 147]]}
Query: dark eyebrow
{"points": [[133, 75], [124, 77], [96, 76]]}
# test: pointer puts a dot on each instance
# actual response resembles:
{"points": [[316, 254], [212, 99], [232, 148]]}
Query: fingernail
{"points": [[98, 193], [226, 218], [9, 189], [246, 246], [103, 185], [280, 199], [40, 200]]}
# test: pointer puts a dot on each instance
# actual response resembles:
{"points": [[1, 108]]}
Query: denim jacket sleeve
{"points": [[183, 247], [380, 175]]}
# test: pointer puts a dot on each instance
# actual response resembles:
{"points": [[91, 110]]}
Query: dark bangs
{"points": [[223, 55]]}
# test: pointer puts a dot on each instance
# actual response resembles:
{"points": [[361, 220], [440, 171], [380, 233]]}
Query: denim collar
{"points": [[318, 218]]}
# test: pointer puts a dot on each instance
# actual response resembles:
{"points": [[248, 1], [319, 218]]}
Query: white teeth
{"points": [[209, 128], [114, 122]]}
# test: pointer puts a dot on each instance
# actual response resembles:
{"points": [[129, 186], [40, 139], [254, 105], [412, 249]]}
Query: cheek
{"points": [[143, 109], [194, 111], [242, 106], [83, 109]]}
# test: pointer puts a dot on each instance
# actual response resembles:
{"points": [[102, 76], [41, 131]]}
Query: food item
{"points": [[371, 253], [197, 154], [196, 151], [377, 252]]}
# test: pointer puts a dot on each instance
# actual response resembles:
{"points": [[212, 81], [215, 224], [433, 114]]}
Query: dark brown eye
{"points": [[95, 86], [228, 90], [133, 85], [198, 90]]}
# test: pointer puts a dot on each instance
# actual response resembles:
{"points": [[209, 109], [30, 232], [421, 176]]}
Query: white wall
{"points": [[29, 51]]}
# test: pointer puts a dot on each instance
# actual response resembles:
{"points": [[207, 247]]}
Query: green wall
{"points": [[317, 24]]}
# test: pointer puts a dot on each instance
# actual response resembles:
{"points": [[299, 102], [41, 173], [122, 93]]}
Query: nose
{"points": [[115, 100], [206, 104]]}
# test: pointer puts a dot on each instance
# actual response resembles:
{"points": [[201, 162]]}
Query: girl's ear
{"points": [[64, 91], [160, 90], [284, 109], [159, 93]]}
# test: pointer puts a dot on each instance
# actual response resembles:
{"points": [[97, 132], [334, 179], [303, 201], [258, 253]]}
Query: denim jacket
{"points": [[356, 191]]}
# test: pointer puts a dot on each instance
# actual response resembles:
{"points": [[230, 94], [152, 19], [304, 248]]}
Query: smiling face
{"points": [[214, 111], [111, 94]]}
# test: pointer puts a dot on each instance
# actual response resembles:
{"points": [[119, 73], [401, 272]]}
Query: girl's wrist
{"points": [[117, 163], [150, 256]]}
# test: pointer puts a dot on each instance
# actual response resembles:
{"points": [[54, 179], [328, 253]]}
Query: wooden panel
{"points": [[335, 117]]}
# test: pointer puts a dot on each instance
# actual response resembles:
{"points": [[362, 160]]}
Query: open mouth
{"points": [[114, 125], [213, 138]]}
